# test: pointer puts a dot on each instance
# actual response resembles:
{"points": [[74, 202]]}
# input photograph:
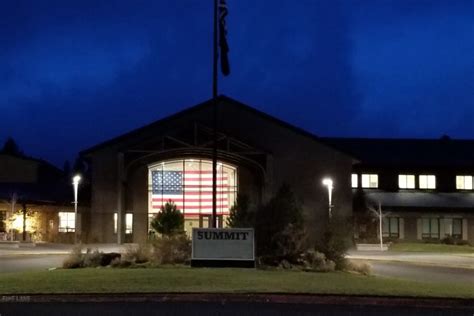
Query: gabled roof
{"points": [[444, 152], [199, 107]]}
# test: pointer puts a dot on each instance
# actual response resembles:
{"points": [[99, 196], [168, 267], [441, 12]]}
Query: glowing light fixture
{"points": [[75, 182], [329, 183]]}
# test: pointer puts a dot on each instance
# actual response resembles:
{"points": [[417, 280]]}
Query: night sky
{"points": [[75, 73]]}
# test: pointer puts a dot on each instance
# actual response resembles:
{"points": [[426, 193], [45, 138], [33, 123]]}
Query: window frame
{"points": [[427, 178], [464, 181], [430, 235], [404, 178], [66, 229], [392, 221], [370, 178]]}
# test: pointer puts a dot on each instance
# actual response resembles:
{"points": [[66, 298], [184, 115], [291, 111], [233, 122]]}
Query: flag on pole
{"points": [[222, 38]]}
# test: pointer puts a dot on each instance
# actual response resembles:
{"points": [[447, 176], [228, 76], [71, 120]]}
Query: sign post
{"points": [[223, 247]]}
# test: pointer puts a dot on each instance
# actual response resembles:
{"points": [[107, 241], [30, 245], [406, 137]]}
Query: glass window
{"points": [[355, 180], [430, 228], [188, 184], [67, 222], [128, 223], [457, 228], [427, 181], [464, 182], [370, 181], [115, 223], [390, 227], [406, 181]]}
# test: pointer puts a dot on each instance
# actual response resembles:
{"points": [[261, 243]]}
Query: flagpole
{"points": [[214, 110]]}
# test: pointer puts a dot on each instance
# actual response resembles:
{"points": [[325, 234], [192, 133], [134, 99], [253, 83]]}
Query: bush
{"points": [[74, 259], [362, 267], [312, 260], [169, 220], [279, 228], [175, 249], [138, 253], [336, 242], [92, 259]]}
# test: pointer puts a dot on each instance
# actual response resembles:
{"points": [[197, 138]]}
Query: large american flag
{"points": [[191, 191]]}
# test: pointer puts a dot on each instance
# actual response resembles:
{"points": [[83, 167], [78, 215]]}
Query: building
{"points": [[424, 187], [35, 201], [171, 159]]}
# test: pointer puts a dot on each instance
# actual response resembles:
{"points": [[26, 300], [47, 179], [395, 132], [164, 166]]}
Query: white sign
{"points": [[223, 244]]}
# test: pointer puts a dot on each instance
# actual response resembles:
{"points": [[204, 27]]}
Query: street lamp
{"points": [[329, 183], [75, 182]]}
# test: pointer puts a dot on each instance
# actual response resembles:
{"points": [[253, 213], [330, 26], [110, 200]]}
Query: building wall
{"points": [[291, 157]]}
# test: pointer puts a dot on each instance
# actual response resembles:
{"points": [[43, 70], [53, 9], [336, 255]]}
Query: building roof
{"points": [[444, 152], [196, 108], [423, 200]]}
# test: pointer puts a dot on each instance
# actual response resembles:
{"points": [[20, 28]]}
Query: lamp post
{"points": [[75, 181], [329, 183]]}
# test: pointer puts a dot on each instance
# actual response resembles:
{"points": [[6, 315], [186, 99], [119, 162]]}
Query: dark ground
{"points": [[216, 308]]}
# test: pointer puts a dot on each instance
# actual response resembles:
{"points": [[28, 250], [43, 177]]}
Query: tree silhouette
{"points": [[10, 147]]}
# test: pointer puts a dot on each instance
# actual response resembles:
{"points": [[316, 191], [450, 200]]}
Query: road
{"points": [[220, 308], [422, 273], [18, 263]]}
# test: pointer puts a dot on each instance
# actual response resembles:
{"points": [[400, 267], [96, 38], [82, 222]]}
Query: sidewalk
{"points": [[461, 260], [59, 249]]}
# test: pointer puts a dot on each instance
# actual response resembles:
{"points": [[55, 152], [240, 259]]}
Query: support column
{"points": [[120, 199]]}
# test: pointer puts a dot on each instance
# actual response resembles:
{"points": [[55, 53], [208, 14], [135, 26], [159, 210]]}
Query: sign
{"points": [[230, 247]]}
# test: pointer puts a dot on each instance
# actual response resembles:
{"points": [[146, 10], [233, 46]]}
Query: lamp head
{"points": [[76, 179], [327, 182]]}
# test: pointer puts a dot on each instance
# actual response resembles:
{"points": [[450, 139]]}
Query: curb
{"points": [[224, 298]]}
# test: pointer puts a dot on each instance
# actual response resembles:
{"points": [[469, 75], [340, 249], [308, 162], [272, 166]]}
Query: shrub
{"points": [[242, 214], [359, 267], [169, 220], [92, 259], [138, 253], [281, 218], [312, 260], [175, 249], [120, 263], [336, 241], [74, 259]]}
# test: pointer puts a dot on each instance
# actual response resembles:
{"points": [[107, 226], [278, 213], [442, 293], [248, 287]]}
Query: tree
{"points": [[169, 220], [11, 148], [279, 228], [241, 214]]}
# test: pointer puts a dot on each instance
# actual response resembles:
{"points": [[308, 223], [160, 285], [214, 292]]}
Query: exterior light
{"points": [[329, 183], [75, 182]]}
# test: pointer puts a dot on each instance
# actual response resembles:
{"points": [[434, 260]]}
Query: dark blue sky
{"points": [[74, 73]]}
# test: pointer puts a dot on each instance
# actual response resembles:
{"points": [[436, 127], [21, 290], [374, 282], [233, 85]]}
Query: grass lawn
{"points": [[424, 247], [184, 279]]}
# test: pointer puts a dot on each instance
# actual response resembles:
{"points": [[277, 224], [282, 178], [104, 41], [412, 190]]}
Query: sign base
{"points": [[222, 263]]}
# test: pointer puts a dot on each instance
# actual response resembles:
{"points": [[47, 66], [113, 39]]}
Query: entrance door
{"points": [[205, 221]]}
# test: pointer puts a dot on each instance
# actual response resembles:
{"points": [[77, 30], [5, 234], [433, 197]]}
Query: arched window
{"points": [[188, 183]]}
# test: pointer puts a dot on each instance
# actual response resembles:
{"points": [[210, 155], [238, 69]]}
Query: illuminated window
{"points": [[188, 184], [370, 181], [430, 228], [355, 180], [67, 222], [128, 223], [464, 182], [427, 181], [406, 181]]}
